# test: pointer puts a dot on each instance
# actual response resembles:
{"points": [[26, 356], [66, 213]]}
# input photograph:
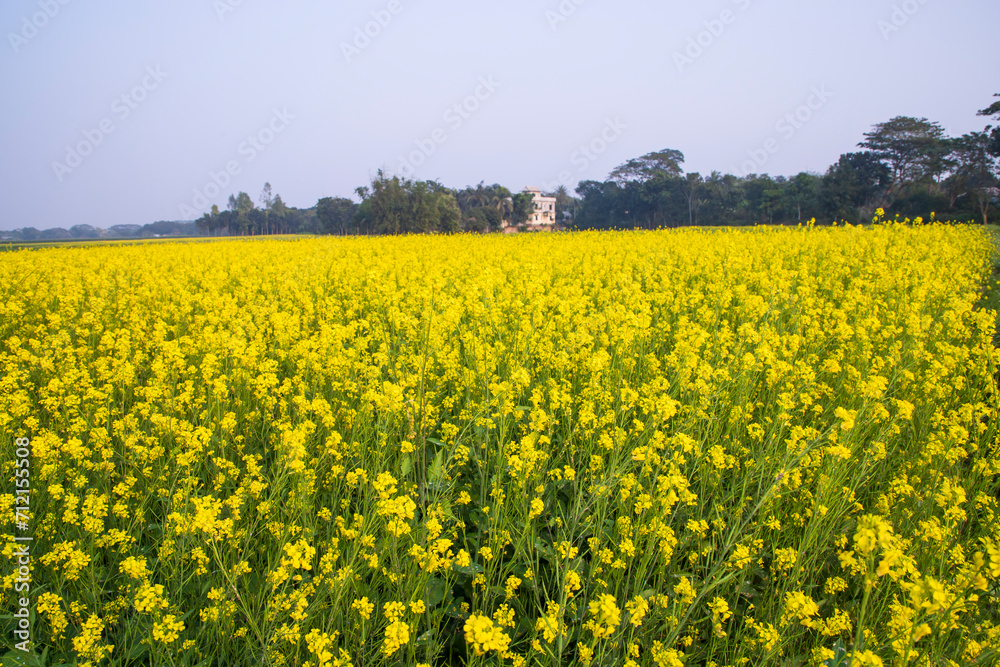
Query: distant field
{"points": [[730, 447], [80, 243]]}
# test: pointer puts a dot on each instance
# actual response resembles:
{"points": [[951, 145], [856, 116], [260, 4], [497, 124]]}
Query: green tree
{"points": [[279, 213], [421, 208], [666, 162], [266, 197], [204, 223], [335, 214], [243, 203], [240, 207], [401, 206], [483, 196], [802, 197], [853, 188], [693, 188], [266, 200], [976, 171], [232, 220], [475, 220], [523, 206], [722, 194], [914, 150], [449, 214], [388, 204], [993, 111], [600, 205], [565, 204]]}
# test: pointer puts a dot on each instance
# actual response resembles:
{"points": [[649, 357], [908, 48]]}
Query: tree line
{"points": [[907, 166], [389, 205], [243, 217]]}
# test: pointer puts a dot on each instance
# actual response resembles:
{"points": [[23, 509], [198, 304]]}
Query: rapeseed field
{"points": [[725, 448]]}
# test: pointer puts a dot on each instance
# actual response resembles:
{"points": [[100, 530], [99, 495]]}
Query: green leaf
{"points": [[437, 589], [437, 468], [405, 466], [137, 652], [544, 549], [470, 569], [17, 658]]}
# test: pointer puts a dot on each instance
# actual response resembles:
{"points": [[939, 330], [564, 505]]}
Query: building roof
{"points": [[538, 193]]}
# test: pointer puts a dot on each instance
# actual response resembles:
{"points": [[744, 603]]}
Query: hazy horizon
{"points": [[183, 104]]}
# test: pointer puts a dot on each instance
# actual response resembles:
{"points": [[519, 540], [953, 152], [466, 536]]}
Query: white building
{"points": [[545, 209]]}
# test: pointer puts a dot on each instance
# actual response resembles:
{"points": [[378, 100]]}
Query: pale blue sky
{"points": [[200, 77]]}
